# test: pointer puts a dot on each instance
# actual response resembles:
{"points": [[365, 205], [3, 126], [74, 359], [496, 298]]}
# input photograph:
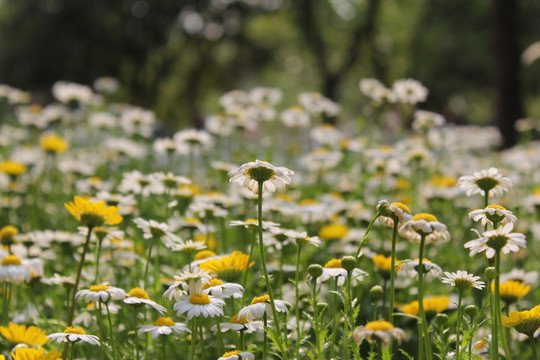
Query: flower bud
{"points": [[315, 270], [471, 311], [490, 273], [441, 319], [348, 263], [376, 294]]}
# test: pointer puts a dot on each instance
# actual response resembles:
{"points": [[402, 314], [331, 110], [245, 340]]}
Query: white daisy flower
{"points": [[251, 173], [74, 335], [489, 180], [101, 292], [381, 329], [424, 225], [189, 246], [260, 305], [138, 296], [409, 91], [493, 214], [222, 290], [163, 326], [12, 270], [410, 267], [462, 280], [501, 239], [333, 269], [426, 120], [185, 281], [391, 211], [240, 324], [237, 355], [198, 304]]}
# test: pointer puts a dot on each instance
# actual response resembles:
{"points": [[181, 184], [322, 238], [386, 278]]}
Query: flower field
{"points": [[274, 232]]}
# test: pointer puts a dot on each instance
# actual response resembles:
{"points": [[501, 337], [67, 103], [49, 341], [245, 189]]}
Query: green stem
{"points": [[500, 327], [458, 324], [111, 331], [78, 278], [194, 325], [148, 257], [135, 314], [335, 320], [267, 278], [319, 344], [101, 332], [364, 239], [265, 337], [421, 312], [76, 287], [349, 317], [297, 301], [98, 254], [392, 276], [201, 336], [220, 336], [533, 347], [164, 348], [253, 240]]}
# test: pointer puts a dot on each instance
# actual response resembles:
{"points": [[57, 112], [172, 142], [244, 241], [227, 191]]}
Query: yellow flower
{"points": [[93, 214], [432, 306], [512, 290], [52, 144], [443, 181], [12, 168], [228, 268], [525, 322], [20, 334], [383, 265], [7, 234], [34, 354], [333, 232]]}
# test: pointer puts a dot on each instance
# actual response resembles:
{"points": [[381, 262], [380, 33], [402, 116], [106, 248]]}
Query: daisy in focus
{"points": [[462, 280], [138, 296], [501, 239], [102, 293], [252, 173]]}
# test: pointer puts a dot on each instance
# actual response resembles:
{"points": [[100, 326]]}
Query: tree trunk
{"points": [[509, 106]]}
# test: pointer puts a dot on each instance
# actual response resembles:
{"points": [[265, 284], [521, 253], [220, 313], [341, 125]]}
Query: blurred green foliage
{"points": [[178, 56]]}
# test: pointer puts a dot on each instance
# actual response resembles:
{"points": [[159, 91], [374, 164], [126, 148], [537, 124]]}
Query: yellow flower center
{"points": [[70, 330], [260, 299], [96, 288], [424, 216], [138, 293], [333, 232], [213, 282], [260, 173], [402, 206], [236, 320], [231, 353], [380, 325], [252, 221], [499, 207], [53, 143], [164, 321], [193, 221], [443, 181], [334, 263], [199, 299], [307, 202], [204, 254], [536, 191], [11, 260]]}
